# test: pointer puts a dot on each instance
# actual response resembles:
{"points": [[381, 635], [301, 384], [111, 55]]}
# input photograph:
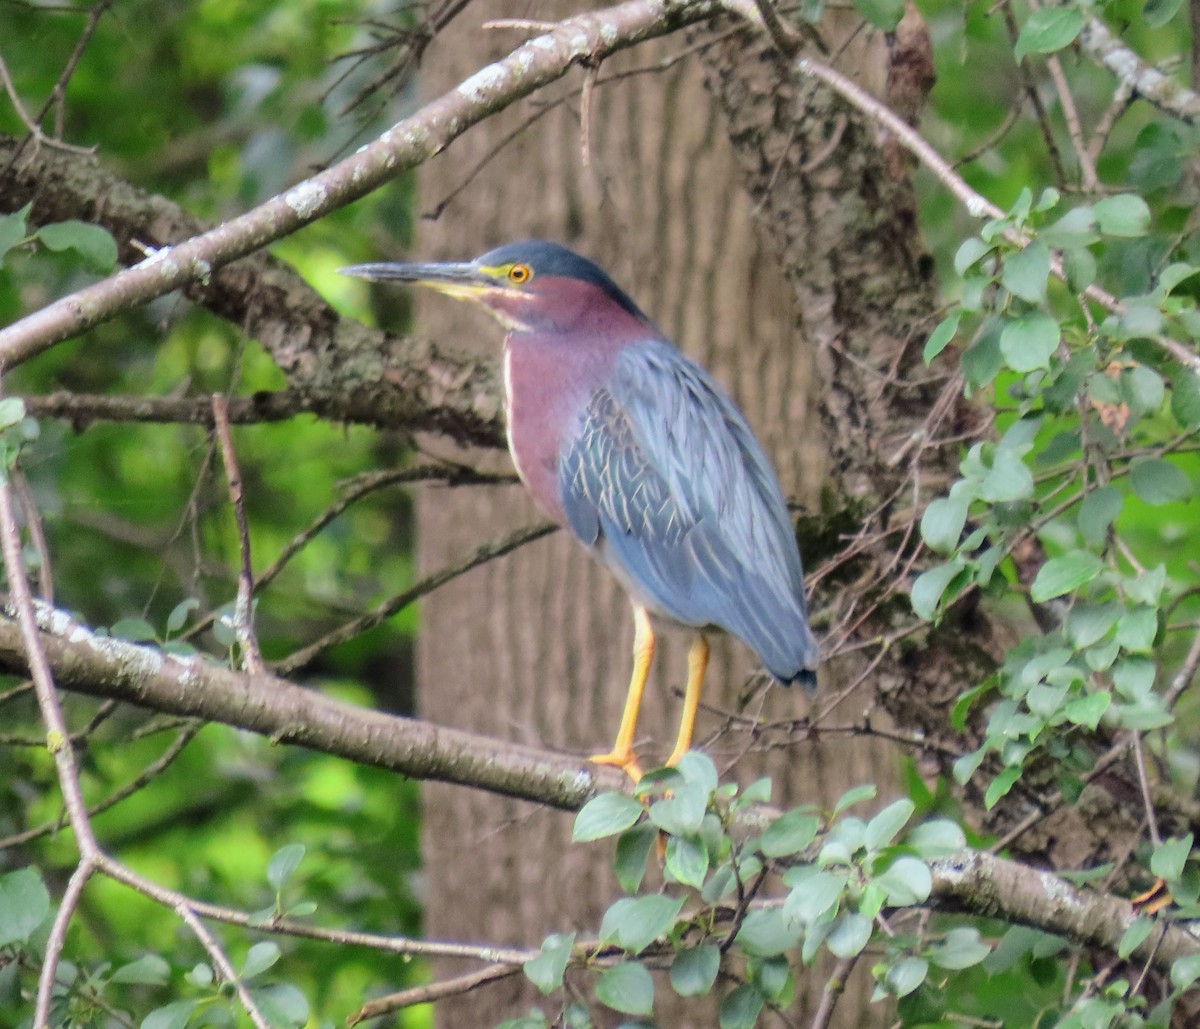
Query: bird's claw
{"points": [[626, 760]]}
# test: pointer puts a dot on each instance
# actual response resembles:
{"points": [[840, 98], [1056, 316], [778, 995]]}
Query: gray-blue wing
{"points": [[668, 483]]}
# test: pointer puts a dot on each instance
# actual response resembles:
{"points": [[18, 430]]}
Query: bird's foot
{"points": [[626, 760]]}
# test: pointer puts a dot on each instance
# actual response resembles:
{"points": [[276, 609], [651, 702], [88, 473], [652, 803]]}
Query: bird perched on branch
{"points": [[641, 455]]}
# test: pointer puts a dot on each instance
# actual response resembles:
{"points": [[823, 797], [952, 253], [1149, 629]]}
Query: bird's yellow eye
{"points": [[520, 274]]}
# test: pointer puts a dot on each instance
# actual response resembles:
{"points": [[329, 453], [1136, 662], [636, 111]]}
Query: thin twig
{"points": [[389, 607], [585, 114], [431, 992], [1088, 179], [835, 986], [35, 131], [147, 775], [57, 741], [1139, 756], [223, 966], [243, 611], [1185, 675]]}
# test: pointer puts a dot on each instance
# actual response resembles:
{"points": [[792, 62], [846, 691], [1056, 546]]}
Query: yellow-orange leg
{"points": [[622, 755], [697, 665]]}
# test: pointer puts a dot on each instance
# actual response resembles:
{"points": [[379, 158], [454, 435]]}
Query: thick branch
{"points": [[336, 367], [981, 884], [586, 38], [993, 887], [101, 666], [1142, 78]]}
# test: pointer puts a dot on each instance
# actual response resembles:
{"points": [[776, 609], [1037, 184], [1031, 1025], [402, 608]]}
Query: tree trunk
{"points": [[537, 646]]}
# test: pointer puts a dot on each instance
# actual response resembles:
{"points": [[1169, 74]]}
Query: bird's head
{"points": [[532, 286]]}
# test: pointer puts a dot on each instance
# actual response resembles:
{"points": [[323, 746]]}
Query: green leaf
{"points": [[1142, 389], [767, 933], [150, 970], [629, 862], [938, 838], [1027, 271], [547, 969], [1158, 12], [698, 771], [1147, 588], [1001, 785], [172, 1016], [968, 253], [883, 14], [92, 243], [682, 813], [1046, 31], [282, 1004], [758, 792], [907, 881], [135, 630], [929, 586], [1009, 480], [1185, 971], [961, 949], [906, 975], [942, 523], [179, 614], [720, 884], [13, 230], [790, 833], [886, 825], [1080, 267], [1088, 711], [1134, 936], [941, 336], [1028, 341], [1159, 482], [687, 860], [627, 988], [1097, 513], [1170, 856], [605, 815], [1185, 398], [1124, 215], [24, 904], [773, 977], [12, 411], [739, 1010], [1089, 623], [283, 863], [850, 934], [1063, 574], [982, 361], [807, 902], [259, 958], [1075, 229], [636, 922], [854, 795], [694, 970], [1136, 630]]}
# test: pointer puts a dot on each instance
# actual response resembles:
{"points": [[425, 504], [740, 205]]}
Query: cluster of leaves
{"points": [[1101, 416], [85, 994], [737, 902]]}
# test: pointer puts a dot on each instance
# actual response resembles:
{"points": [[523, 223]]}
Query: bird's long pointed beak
{"points": [[464, 280]]}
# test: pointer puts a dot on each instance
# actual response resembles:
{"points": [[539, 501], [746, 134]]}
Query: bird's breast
{"points": [[548, 385]]}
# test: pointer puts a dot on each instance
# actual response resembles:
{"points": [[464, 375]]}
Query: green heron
{"points": [[639, 453]]}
